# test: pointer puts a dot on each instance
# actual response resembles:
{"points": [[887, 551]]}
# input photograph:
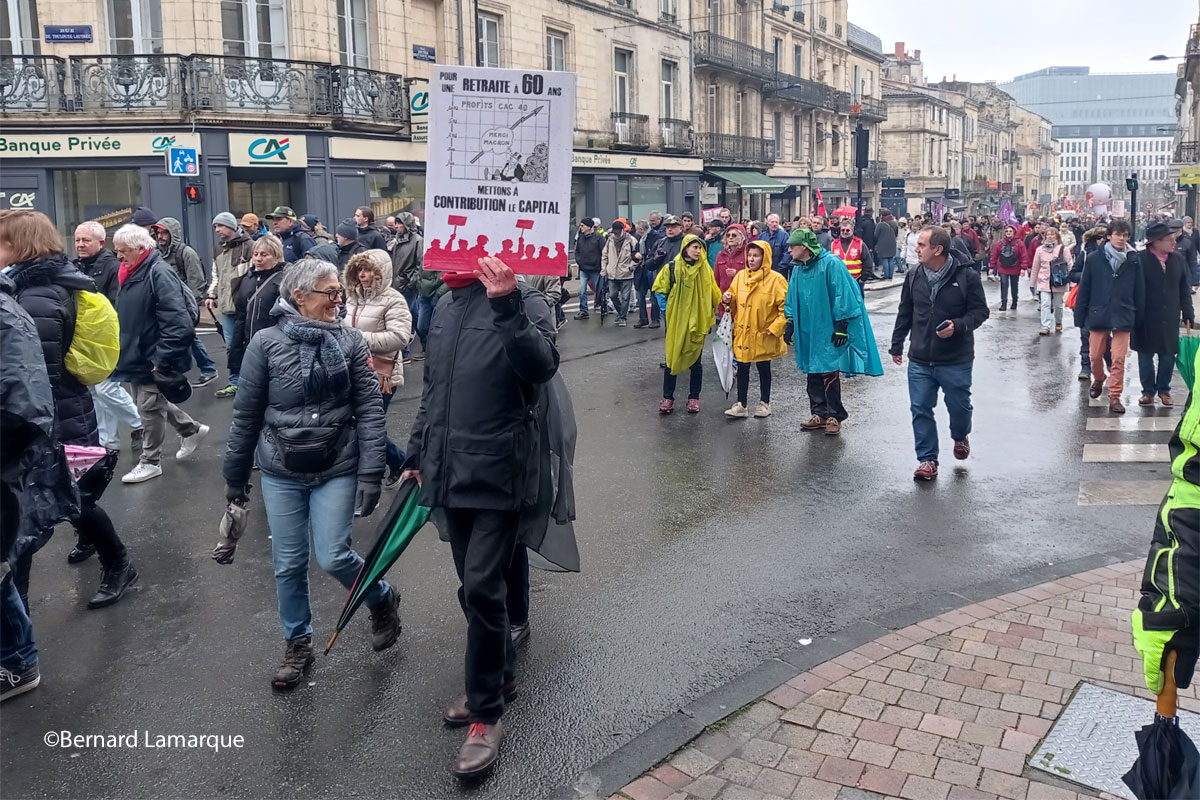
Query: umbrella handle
{"points": [[1167, 698]]}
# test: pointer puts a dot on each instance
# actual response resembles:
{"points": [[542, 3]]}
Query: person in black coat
{"points": [[368, 236], [475, 454], [1088, 242], [1109, 302], [254, 295], [46, 284], [95, 260], [348, 244], [1168, 299]]}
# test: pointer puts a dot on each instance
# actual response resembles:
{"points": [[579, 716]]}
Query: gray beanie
{"points": [[347, 229], [226, 219]]}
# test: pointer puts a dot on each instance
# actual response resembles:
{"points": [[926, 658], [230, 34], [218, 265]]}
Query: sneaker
{"points": [[385, 622], [1146, 400], [1085, 374], [80, 552], [581, 315], [297, 658], [666, 406], [16, 683], [142, 472], [815, 423], [927, 471], [188, 444], [1058, 327], [962, 448], [762, 409], [738, 411], [1044, 332], [693, 406], [832, 426], [641, 324], [204, 380], [135, 439], [621, 323], [228, 391], [392, 478], [113, 583], [1115, 405], [654, 325], [1097, 388], [519, 634]]}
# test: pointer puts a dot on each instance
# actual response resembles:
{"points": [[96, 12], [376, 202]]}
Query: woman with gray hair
{"points": [[309, 411]]}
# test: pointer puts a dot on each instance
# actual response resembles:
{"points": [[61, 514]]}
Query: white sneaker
{"points": [[142, 472], [762, 409], [187, 444], [738, 411]]}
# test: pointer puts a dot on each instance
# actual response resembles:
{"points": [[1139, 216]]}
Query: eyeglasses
{"points": [[334, 295]]}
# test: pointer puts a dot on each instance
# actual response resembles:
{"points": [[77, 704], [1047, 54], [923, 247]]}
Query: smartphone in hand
{"points": [[945, 324]]}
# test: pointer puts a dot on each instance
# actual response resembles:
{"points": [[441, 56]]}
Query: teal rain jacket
{"points": [[820, 293]]}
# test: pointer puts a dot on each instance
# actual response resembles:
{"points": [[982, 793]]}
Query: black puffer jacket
{"points": [[960, 299], [476, 434], [348, 251], [254, 295], [46, 289], [102, 268], [156, 328], [271, 396]]}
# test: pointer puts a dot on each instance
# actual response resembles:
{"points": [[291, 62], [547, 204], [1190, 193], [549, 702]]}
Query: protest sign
{"points": [[498, 177]]}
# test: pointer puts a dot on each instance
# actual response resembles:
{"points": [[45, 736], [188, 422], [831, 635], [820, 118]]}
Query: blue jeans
{"points": [[1156, 381], [207, 365], [328, 510], [410, 297], [923, 383], [888, 265], [227, 321], [641, 288], [17, 650], [425, 306], [393, 454], [586, 277]]}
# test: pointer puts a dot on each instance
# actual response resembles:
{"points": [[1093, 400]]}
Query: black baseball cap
{"points": [[282, 212]]}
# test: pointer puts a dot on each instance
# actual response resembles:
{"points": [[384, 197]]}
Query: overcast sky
{"points": [[998, 41]]}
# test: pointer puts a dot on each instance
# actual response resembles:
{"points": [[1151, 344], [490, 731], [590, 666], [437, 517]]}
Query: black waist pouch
{"points": [[309, 449]]}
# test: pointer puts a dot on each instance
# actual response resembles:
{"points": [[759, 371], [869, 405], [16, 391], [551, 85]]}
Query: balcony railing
{"points": [[32, 83], [809, 93], [177, 85], [779, 8], [1187, 152], [975, 185], [798, 16], [718, 51], [1193, 45], [735, 149], [630, 131], [676, 135], [871, 108]]}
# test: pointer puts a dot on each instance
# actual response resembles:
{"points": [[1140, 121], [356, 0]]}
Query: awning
{"points": [[748, 180]]}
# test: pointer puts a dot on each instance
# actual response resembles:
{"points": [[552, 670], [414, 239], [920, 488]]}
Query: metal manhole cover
{"points": [[1092, 742]]}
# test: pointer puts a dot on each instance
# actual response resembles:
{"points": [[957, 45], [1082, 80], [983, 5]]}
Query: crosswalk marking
{"points": [[1131, 423], [1143, 453], [1122, 493], [1130, 401]]}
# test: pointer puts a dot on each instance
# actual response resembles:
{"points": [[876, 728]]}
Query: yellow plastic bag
{"points": [[96, 344]]}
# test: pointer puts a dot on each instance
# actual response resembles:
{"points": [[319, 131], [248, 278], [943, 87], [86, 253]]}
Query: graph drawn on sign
{"points": [[499, 139]]}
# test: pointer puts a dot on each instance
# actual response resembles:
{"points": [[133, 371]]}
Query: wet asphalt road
{"points": [[707, 546]]}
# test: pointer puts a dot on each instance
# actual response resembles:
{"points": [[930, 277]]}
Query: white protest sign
{"points": [[498, 176]]}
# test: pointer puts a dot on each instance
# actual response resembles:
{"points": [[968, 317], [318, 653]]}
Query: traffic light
{"points": [[1131, 184], [194, 192]]}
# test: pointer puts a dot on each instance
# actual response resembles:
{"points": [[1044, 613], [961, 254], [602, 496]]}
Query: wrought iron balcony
{"points": [[872, 108], [32, 84], [237, 84], [368, 95], [718, 51], [735, 149], [129, 83], [630, 131], [809, 93], [1187, 152], [975, 185], [676, 135]]}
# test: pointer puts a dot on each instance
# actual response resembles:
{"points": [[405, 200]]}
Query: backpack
{"points": [[1059, 269], [1008, 254], [96, 341]]}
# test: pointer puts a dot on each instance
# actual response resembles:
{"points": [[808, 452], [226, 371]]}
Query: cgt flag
{"points": [[820, 208]]}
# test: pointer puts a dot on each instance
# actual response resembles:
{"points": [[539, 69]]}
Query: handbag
{"points": [[308, 450], [1060, 270], [1070, 301], [384, 368]]}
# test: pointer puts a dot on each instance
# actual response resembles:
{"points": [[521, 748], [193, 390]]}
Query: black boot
{"points": [[297, 658], [80, 552], [113, 583], [385, 622]]}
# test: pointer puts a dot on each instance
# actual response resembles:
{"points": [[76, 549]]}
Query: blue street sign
{"points": [[183, 162], [68, 33], [423, 52]]}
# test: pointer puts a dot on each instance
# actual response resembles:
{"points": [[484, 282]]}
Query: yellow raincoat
{"points": [[757, 306], [692, 298]]}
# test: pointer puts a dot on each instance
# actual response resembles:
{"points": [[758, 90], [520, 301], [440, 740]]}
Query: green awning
{"points": [[749, 180]]}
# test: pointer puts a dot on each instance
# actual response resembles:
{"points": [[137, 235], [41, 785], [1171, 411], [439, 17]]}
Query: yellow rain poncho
{"points": [[757, 305], [691, 296]]}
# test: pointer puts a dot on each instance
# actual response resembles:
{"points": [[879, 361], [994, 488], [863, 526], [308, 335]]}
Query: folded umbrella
{"points": [[1185, 359], [395, 530], [722, 350], [1168, 765]]}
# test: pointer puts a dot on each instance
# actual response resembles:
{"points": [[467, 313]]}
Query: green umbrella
{"points": [[1185, 359], [396, 529]]}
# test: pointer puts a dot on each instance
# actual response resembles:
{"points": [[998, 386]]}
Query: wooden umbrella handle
{"points": [[1167, 697]]}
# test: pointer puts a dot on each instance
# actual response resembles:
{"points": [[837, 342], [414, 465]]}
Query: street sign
{"points": [[893, 183], [183, 162], [423, 52], [67, 33]]}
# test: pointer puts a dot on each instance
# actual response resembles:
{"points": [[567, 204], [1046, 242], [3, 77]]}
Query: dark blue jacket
{"points": [[778, 242], [296, 243], [1110, 302], [156, 328]]}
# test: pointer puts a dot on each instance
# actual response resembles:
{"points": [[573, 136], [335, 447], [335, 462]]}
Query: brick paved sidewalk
{"points": [[948, 708]]}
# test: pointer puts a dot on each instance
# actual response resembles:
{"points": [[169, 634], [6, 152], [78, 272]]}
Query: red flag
{"points": [[820, 204]]}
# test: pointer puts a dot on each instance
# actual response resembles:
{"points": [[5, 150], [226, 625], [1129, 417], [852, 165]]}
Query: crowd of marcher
{"points": [[318, 327]]}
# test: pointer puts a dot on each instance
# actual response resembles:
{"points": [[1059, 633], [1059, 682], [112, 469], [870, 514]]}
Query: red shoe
{"points": [[666, 406], [927, 471], [962, 449], [693, 406]]}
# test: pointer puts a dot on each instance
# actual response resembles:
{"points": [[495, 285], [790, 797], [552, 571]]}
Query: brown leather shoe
{"points": [[456, 714], [832, 427], [1115, 406], [814, 423], [1166, 400], [479, 752], [1146, 400], [1097, 388]]}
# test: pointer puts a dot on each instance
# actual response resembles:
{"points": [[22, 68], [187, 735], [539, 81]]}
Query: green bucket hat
{"points": [[806, 238]]}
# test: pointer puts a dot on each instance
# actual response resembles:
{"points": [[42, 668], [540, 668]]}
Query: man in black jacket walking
{"points": [[1109, 304], [941, 304], [474, 451], [1168, 299], [589, 247]]}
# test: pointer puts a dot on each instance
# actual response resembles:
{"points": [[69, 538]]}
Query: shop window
{"points": [[353, 48], [258, 197], [107, 196], [578, 207], [135, 27], [487, 44], [637, 197], [556, 51], [393, 192], [19, 31], [255, 28]]}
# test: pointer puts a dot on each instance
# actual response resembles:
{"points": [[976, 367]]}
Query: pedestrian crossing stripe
{"points": [[1122, 493], [1126, 453], [1162, 423]]}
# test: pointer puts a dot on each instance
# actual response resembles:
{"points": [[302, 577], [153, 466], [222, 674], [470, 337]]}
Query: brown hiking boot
{"points": [[456, 714], [479, 752], [832, 427], [815, 423], [297, 658], [385, 622], [1115, 406]]}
